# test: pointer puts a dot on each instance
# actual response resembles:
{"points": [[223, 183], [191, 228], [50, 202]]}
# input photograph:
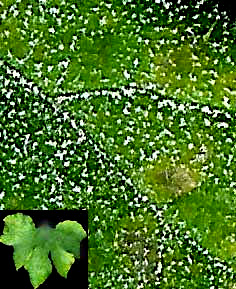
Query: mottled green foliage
{"points": [[213, 216], [11, 38], [16, 202], [132, 241]]}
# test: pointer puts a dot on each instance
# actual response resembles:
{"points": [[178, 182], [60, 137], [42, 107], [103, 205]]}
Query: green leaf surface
{"points": [[69, 234], [39, 266], [18, 228], [33, 245], [22, 253], [62, 260]]}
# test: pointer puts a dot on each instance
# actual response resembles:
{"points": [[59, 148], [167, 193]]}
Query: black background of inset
{"points": [[78, 274]]}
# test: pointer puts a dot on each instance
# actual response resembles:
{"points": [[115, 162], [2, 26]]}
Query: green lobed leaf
{"points": [[33, 245], [68, 235], [18, 228]]}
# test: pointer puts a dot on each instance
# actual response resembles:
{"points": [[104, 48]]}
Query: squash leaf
{"points": [[33, 245]]}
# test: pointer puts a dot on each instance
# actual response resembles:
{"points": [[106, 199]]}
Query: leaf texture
{"points": [[69, 234], [39, 266], [62, 260]]}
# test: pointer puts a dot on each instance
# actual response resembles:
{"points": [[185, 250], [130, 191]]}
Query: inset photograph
{"points": [[44, 249]]}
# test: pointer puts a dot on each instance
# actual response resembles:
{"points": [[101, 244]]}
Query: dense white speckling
{"points": [[71, 141]]}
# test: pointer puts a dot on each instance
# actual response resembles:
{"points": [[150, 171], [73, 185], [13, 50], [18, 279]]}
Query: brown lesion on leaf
{"points": [[167, 182], [184, 180]]}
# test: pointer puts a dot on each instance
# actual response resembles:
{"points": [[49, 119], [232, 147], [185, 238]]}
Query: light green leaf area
{"points": [[18, 229], [38, 266], [33, 245], [69, 234], [22, 252], [62, 260]]}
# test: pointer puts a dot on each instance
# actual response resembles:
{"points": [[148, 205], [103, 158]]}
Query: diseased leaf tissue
{"points": [[33, 245]]}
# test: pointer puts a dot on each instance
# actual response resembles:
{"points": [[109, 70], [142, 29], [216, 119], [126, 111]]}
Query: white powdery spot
{"points": [[85, 95], [53, 10], [190, 146], [35, 90], [73, 124], [145, 199], [154, 96], [222, 124], [181, 107], [190, 260], [76, 189], [66, 115], [51, 143], [225, 102], [117, 158], [59, 180], [159, 268], [52, 30], [96, 219], [207, 122], [125, 111], [136, 62], [228, 59], [61, 47], [206, 109], [182, 122], [2, 194], [126, 74], [89, 189], [50, 68], [53, 188], [12, 162], [67, 164], [145, 113]]}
